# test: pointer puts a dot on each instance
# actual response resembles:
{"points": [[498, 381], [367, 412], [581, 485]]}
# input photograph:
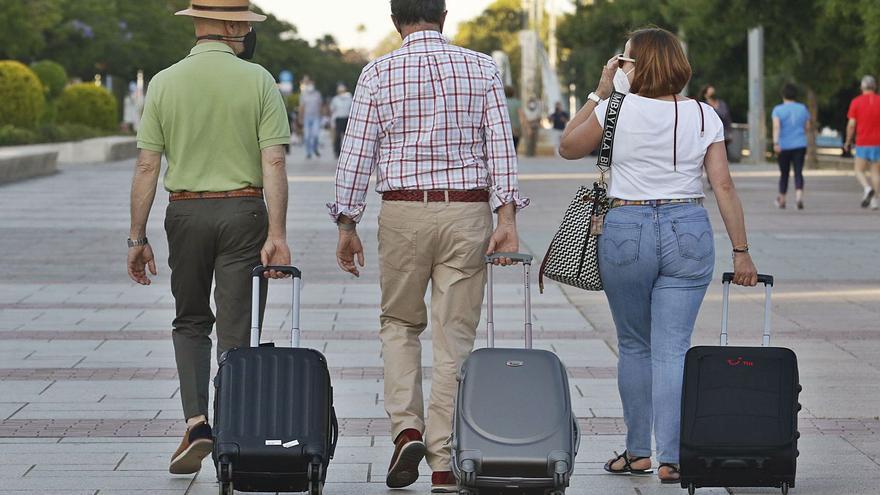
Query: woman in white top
{"points": [[657, 253]]}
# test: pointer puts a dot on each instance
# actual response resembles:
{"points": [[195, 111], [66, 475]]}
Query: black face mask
{"points": [[249, 40]]}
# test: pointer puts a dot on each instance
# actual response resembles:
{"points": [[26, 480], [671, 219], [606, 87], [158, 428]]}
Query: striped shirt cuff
{"points": [[499, 198], [355, 213]]}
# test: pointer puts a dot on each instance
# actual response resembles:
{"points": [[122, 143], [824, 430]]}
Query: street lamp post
{"points": [[529, 77], [757, 130]]}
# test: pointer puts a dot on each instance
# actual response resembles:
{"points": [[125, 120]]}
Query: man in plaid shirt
{"points": [[432, 121]]}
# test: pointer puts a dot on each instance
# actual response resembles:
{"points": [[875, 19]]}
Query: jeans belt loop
{"points": [[425, 195], [446, 195]]}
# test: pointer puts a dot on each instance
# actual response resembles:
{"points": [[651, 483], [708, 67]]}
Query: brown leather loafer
{"points": [[443, 482], [409, 450], [197, 443]]}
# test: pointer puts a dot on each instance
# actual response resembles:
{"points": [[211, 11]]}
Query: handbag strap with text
{"points": [[606, 146]]}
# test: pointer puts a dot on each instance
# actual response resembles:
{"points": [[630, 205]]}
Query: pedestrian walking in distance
{"points": [[444, 160], [311, 106], [791, 123], [708, 95], [515, 114], [863, 129], [221, 123], [340, 106], [656, 250]]}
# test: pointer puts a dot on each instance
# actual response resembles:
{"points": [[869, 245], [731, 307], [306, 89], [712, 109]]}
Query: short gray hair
{"points": [[409, 12], [869, 83]]}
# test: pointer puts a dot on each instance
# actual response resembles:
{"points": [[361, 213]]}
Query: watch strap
{"points": [[137, 242]]}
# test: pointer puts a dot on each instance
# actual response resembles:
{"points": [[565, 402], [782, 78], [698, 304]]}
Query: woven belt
{"points": [[454, 196], [654, 202], [247, 192]]}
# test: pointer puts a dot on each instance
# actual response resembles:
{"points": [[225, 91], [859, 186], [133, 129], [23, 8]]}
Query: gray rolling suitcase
{"points": [[514, 429]]}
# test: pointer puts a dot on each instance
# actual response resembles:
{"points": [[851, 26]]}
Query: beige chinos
{"points": [[444, 244]]}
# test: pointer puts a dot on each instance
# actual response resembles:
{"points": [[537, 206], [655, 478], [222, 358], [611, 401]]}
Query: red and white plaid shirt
{"points": [[428, 116]]}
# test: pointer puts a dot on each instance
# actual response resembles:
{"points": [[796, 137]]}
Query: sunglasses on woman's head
{"points": [[621, 59]]}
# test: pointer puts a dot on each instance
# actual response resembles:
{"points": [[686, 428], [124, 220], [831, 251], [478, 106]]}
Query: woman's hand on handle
{"points": [[744, 270]]}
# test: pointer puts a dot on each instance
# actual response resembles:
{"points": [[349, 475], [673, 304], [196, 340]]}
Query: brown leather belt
{"points": [[452, 196], [247, 192]]}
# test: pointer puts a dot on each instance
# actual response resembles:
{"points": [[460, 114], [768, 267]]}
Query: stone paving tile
{"points": [[279, 335], [355, 426], [49, 492], [94, 306], [345, 373]]}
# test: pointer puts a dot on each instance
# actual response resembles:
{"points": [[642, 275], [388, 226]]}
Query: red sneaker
{"points": [[409, 449], [443, 482]]}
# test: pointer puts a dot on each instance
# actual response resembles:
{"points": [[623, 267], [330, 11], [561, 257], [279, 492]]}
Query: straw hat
{"points": [[224, 10]]}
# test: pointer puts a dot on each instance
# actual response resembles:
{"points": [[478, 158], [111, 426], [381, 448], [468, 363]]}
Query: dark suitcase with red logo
{"points": [[275, 428], [739, 411]]}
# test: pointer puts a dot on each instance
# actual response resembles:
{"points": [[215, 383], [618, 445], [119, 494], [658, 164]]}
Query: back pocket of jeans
{"points": [[694, 236], [619, 243]]}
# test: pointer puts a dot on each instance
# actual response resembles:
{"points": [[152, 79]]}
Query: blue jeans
{"points": [[311, 131], [656, 263]]}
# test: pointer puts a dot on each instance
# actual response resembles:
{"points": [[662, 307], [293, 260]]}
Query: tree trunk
{"points": [[813, 107]]}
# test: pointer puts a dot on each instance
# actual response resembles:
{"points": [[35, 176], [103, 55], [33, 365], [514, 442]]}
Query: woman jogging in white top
{"points": [[657, 253]]}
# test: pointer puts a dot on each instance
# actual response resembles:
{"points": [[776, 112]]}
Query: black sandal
{"points": [[627, 466], [673, 470]]}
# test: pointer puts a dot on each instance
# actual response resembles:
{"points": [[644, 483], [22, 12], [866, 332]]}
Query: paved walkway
{"points": [[88, 394]]}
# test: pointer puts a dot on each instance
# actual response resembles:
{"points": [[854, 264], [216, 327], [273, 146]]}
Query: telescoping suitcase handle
{"points": [[526, 260], [295, 332], [727, 279]]}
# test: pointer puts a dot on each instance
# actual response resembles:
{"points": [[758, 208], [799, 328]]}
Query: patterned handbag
{"points": [[573, 255]]}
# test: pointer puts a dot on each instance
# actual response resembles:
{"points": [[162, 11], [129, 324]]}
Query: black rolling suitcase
{"points": [[513, 429], [739, 411], [275, 428]]}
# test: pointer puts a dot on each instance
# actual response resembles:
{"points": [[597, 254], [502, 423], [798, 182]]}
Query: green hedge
{"points": [[21, 95], [52, 75], [13, 136], [89, 105]]}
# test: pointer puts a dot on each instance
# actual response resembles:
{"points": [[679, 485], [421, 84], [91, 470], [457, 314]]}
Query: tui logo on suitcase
{"points": [[733, 363]]}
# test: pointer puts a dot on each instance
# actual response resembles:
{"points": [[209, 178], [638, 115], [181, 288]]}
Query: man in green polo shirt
{"points": [[221, 123]]}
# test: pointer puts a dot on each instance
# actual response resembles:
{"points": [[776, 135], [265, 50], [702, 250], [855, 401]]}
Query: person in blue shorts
{"points": [[864, 126], [791, 122]]}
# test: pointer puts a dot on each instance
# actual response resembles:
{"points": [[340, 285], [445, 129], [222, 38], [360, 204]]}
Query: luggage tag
{"points": [[597, 224]]}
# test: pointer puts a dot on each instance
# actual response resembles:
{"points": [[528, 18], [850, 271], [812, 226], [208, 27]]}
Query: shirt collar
{"points": [[211, 46], [427, 36]]}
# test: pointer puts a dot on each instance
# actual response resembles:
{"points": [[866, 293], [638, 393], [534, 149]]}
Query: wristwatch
{"points": [[594, 97], [137, 242]]}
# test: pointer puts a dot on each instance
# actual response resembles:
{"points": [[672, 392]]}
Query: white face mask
{"points": [[621, 81]]}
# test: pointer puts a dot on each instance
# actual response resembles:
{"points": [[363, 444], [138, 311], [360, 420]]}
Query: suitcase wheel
{"points": [[692, 489], [224, 476], [316, 478], [785, 488]]}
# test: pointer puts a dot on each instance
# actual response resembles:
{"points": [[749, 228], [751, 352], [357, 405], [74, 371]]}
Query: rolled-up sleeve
{"points": [[499, 150], [357, 158]]}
